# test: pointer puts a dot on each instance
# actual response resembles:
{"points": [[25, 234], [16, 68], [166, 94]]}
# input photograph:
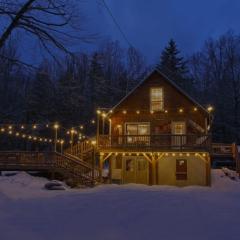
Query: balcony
{"points": [[163, 142]]}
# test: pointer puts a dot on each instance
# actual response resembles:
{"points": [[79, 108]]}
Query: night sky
{"points": [[149, 24]]}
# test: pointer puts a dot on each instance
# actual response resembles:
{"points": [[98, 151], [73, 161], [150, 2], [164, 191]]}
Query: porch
{"points": [[153, 143]]}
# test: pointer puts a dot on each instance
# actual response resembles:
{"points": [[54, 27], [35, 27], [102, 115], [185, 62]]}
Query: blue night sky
{"points": [[149, 24]]}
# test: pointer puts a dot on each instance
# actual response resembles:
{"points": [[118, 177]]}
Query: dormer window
{"points": [[156, 99]]}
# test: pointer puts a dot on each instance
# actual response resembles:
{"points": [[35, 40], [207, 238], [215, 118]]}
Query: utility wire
{"points": [[116, 23]]}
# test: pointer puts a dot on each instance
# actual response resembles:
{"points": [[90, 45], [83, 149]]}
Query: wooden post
{"points": [[208, 171], [153, 171], [93, 165], [100, 167]]}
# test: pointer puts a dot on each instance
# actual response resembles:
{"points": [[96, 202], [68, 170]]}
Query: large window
{"points": [[138, 133], [156, 99]]}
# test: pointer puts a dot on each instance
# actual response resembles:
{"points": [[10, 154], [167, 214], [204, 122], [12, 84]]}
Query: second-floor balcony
{"points": [[162, 142]]}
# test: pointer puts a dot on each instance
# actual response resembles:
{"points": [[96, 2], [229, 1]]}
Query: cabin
{"points": [[156, 135]]}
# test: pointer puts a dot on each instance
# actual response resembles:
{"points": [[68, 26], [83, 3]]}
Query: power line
{"points": [[116, 23]]}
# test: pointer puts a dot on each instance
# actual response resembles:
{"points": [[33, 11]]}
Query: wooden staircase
{"points": [[69, 167]]}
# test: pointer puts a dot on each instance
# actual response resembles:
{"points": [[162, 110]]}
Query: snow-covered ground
{"points": [[113, 212]]}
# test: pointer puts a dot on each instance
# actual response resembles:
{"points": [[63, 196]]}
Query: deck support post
{"points": [[101, 167], [208, 171], [154, 171]]}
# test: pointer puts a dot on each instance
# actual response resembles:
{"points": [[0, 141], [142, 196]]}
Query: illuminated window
{"points": [[156, 99]]}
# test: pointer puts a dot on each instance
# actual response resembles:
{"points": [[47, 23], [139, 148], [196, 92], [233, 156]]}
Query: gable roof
{"points": [[169, 81]]}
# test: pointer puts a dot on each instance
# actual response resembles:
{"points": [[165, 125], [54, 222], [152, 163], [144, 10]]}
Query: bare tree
{"points": [[54, 23]]}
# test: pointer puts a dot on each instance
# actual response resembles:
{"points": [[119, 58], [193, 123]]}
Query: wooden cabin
{"points": [[157, 134]]}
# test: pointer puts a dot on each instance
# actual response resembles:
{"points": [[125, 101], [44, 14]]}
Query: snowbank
{"points": [[112, 212]]}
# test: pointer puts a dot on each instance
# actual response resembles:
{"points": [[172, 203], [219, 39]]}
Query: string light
{"points": [[81, 127], [10, 127], [152, 112], [166, 111], [195, 109], [124, 112], [181, 110], [98, 112], [93, 121], [22, 127], [2, 130], [138, 112], [34, 126], [210, 109]]}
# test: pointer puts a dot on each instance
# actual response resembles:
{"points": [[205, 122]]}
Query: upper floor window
{"points": [[156, 99]]}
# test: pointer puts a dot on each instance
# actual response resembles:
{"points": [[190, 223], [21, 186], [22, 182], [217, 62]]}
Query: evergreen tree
{"points": [[173, 65], [98, 84], [41, 99]]}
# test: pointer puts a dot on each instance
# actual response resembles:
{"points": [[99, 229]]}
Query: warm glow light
{"points": [[45, 140], [2, 130], [210, 109], [188, 154], [181, 110], [10, 132], [34, 126], [56, 126], [166, 111], [166, 154], [17, 134], [50, 140], [29, 137], [22, 127], [10, 127], [72, 131], [81, 127], [180, 154], [173, 154], [104, 115], [124, 112], [93, 121], [138, 112], [40, 139], [152, 112], [204, 155], [62, 142], [93, 142], [111, 111], [195, 109], [98, 112], [23, 135], [47, 125], [34, 138]]}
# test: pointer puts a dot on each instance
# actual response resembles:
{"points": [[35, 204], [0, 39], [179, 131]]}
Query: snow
{"points": [[114, 212]]}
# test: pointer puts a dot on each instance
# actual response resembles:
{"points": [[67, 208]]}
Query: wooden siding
{"points": [[160, 122]]}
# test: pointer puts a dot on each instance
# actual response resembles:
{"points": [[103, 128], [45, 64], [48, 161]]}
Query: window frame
{"points": [[161, 101]]}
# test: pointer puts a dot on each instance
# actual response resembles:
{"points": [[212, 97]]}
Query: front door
{"points": [[178, 132], [136, 170]]}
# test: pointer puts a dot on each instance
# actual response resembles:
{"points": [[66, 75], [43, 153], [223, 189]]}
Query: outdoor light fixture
{"points": [[56, 126], [210, 109], [195, 109]]}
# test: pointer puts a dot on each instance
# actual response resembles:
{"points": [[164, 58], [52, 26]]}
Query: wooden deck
{"points": [[154, 143], [69, 166]]}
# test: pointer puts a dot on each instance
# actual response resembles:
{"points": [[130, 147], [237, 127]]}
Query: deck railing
{"points": [[156, 142]]}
